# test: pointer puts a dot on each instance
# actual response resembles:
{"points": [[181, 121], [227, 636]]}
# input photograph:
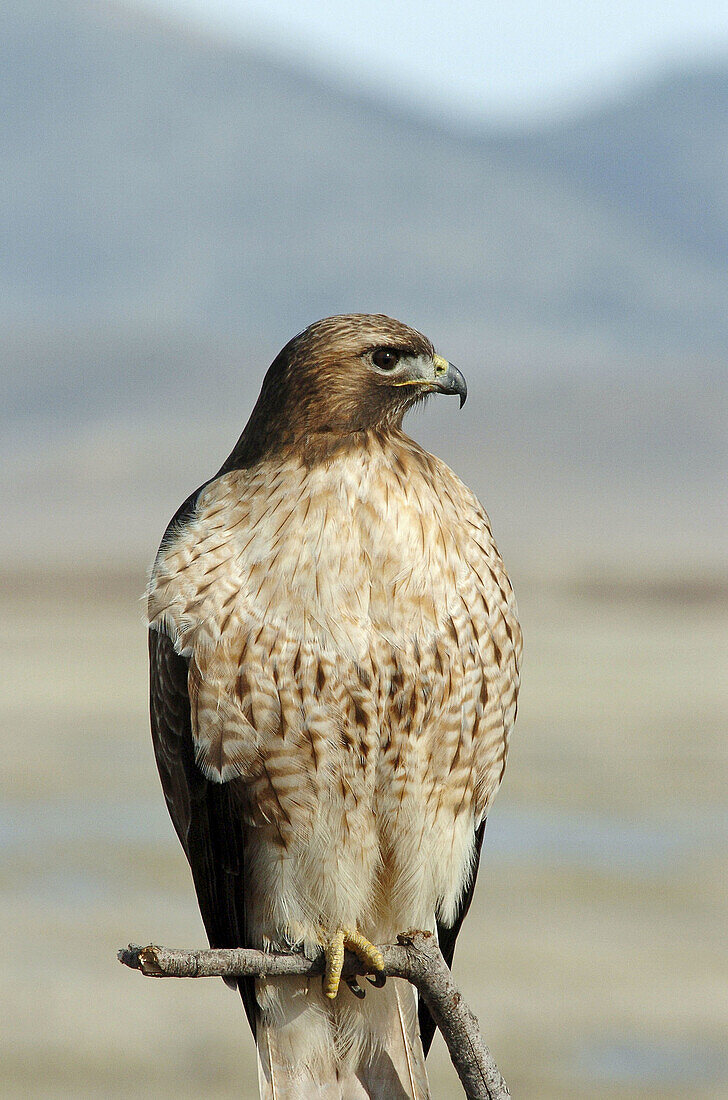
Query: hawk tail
{"points": [[313, 1049]]}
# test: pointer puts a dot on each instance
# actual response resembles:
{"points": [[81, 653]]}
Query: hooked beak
{"points": [[445, 379], [448, 379]]}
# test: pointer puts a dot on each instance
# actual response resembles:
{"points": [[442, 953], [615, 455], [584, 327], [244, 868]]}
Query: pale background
{"points": [[545, 194]]}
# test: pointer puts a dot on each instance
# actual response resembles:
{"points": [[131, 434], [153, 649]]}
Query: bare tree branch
{"points": [[415, 957]]}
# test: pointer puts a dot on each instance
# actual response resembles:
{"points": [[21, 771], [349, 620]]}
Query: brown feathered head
{"points": [[346, 374]]}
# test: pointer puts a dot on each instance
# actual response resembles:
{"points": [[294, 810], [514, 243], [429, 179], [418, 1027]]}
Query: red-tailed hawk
{"points": [[334, 655]]}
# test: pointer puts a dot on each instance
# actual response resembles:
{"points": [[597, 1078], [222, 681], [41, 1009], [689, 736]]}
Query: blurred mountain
{"points": [[174, 207], [156, 176], [660, 156]]}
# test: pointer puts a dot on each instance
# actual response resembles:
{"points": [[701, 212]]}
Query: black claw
{"points": [[378, 980], [355, 988]]}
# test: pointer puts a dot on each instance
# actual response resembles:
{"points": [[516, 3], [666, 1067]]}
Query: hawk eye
{"points": [[385, 358]]}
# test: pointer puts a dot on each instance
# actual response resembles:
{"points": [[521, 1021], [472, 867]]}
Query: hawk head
{"points": [[342, 375]]}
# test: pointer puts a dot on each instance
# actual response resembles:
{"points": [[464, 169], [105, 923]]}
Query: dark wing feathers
{"points": [[203, 814], [448, 935]]}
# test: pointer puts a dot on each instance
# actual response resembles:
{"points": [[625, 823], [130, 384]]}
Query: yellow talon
{"points": [[370, 955], [334, 965], [353, 941]]}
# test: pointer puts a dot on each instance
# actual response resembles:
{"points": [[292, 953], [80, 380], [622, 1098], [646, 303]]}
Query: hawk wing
{"points": [[204, 816], [448, 934]]}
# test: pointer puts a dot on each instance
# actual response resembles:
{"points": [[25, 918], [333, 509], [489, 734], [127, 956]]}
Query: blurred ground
{"points": [[594, 953]]}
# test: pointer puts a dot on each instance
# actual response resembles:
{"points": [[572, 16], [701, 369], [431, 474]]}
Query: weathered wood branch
{"points": [[416, 957]]}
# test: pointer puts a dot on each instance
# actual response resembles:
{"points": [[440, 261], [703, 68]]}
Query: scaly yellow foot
{"points": [[347, 938]]}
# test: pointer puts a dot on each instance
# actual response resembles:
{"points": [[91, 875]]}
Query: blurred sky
{"points": [[512, 61]]}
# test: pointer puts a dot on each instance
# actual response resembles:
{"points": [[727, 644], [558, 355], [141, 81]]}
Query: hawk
{"points": [[334, 665]]}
